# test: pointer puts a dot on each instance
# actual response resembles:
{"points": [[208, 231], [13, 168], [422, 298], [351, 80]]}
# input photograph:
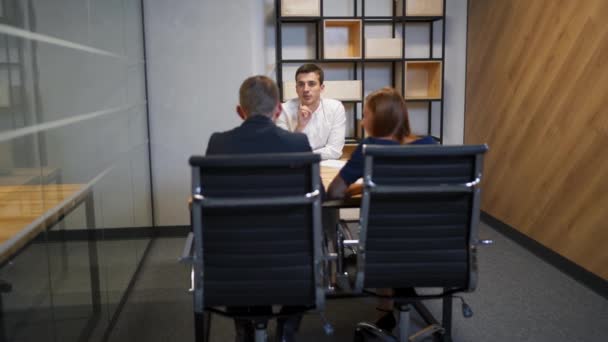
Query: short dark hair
{"points": [[308, 68], [390, 113], [259, 95]]}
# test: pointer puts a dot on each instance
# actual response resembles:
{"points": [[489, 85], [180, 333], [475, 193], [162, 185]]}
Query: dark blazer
{"points": [[257, 134]]}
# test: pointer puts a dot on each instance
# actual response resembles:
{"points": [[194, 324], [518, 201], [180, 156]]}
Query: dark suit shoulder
{"points": [[211, 143], [217, 142], [257, 135], [298, 141]]}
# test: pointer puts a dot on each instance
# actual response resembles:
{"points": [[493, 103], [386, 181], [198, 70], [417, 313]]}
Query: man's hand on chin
{"points": [[304, 115]]}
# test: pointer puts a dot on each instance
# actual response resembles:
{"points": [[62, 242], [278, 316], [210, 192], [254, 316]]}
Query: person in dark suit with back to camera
{"points": [[259, 107]]}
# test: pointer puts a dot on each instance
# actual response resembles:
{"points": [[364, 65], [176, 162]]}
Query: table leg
{"points": [[93, 261], [4, 288], [63, 235]]}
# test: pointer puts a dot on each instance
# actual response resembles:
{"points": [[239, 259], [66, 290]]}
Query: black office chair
{"points": [[418, 228], [256, 223]]}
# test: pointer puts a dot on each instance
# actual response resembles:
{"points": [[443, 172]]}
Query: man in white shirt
{"points": [[322, 120]]}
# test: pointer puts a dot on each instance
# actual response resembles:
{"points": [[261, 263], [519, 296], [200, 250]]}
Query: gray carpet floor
{"points": [[519, 298]]}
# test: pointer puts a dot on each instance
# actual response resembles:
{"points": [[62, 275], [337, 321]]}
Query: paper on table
{"points": [[336, 164]]}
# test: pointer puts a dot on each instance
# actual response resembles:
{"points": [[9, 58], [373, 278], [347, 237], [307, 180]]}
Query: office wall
{"points": [[198, 53], [537, 81]]}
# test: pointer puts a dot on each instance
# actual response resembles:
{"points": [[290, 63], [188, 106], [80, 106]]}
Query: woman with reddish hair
{"points": [[386, 122]]}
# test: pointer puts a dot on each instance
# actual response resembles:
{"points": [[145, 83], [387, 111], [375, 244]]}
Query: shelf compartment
{"points": [[343, 90], [342, 39], [423, 80], [383, 48], [300, 8], [424, 8], [338, 90]]}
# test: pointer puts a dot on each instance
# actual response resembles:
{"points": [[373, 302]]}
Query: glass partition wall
{"points": [[74, 165]]}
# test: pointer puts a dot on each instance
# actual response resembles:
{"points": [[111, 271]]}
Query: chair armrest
{"points": [[346, 236], [345, 240]]}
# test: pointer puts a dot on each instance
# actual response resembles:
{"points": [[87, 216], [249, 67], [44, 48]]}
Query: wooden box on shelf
{"points": [[383, 48], [338, 90], [342, 39], [423, 80], [424, 8], [300, 8]]}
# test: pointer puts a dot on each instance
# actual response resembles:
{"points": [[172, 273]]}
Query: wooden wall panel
{"points": [[537, 93]]}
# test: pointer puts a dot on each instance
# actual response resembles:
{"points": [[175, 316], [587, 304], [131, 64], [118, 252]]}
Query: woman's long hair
{"points": [[390, 116]]}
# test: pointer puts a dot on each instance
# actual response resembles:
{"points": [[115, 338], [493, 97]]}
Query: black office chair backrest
{"points": [[257, 230], [419, 216]]}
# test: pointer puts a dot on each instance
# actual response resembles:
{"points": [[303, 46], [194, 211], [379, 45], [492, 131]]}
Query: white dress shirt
{"points": [[325, 130]]}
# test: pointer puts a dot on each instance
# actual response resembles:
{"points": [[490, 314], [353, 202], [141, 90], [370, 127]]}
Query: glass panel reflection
{"points": [[25, 295], [74, 166]]}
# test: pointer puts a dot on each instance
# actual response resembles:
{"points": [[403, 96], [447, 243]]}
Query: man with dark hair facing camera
{"points": [[322, 120]]}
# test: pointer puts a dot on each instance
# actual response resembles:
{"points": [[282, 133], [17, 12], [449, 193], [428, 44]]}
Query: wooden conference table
{"points": [[33, 199], [327, 175], [27, 209]]}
